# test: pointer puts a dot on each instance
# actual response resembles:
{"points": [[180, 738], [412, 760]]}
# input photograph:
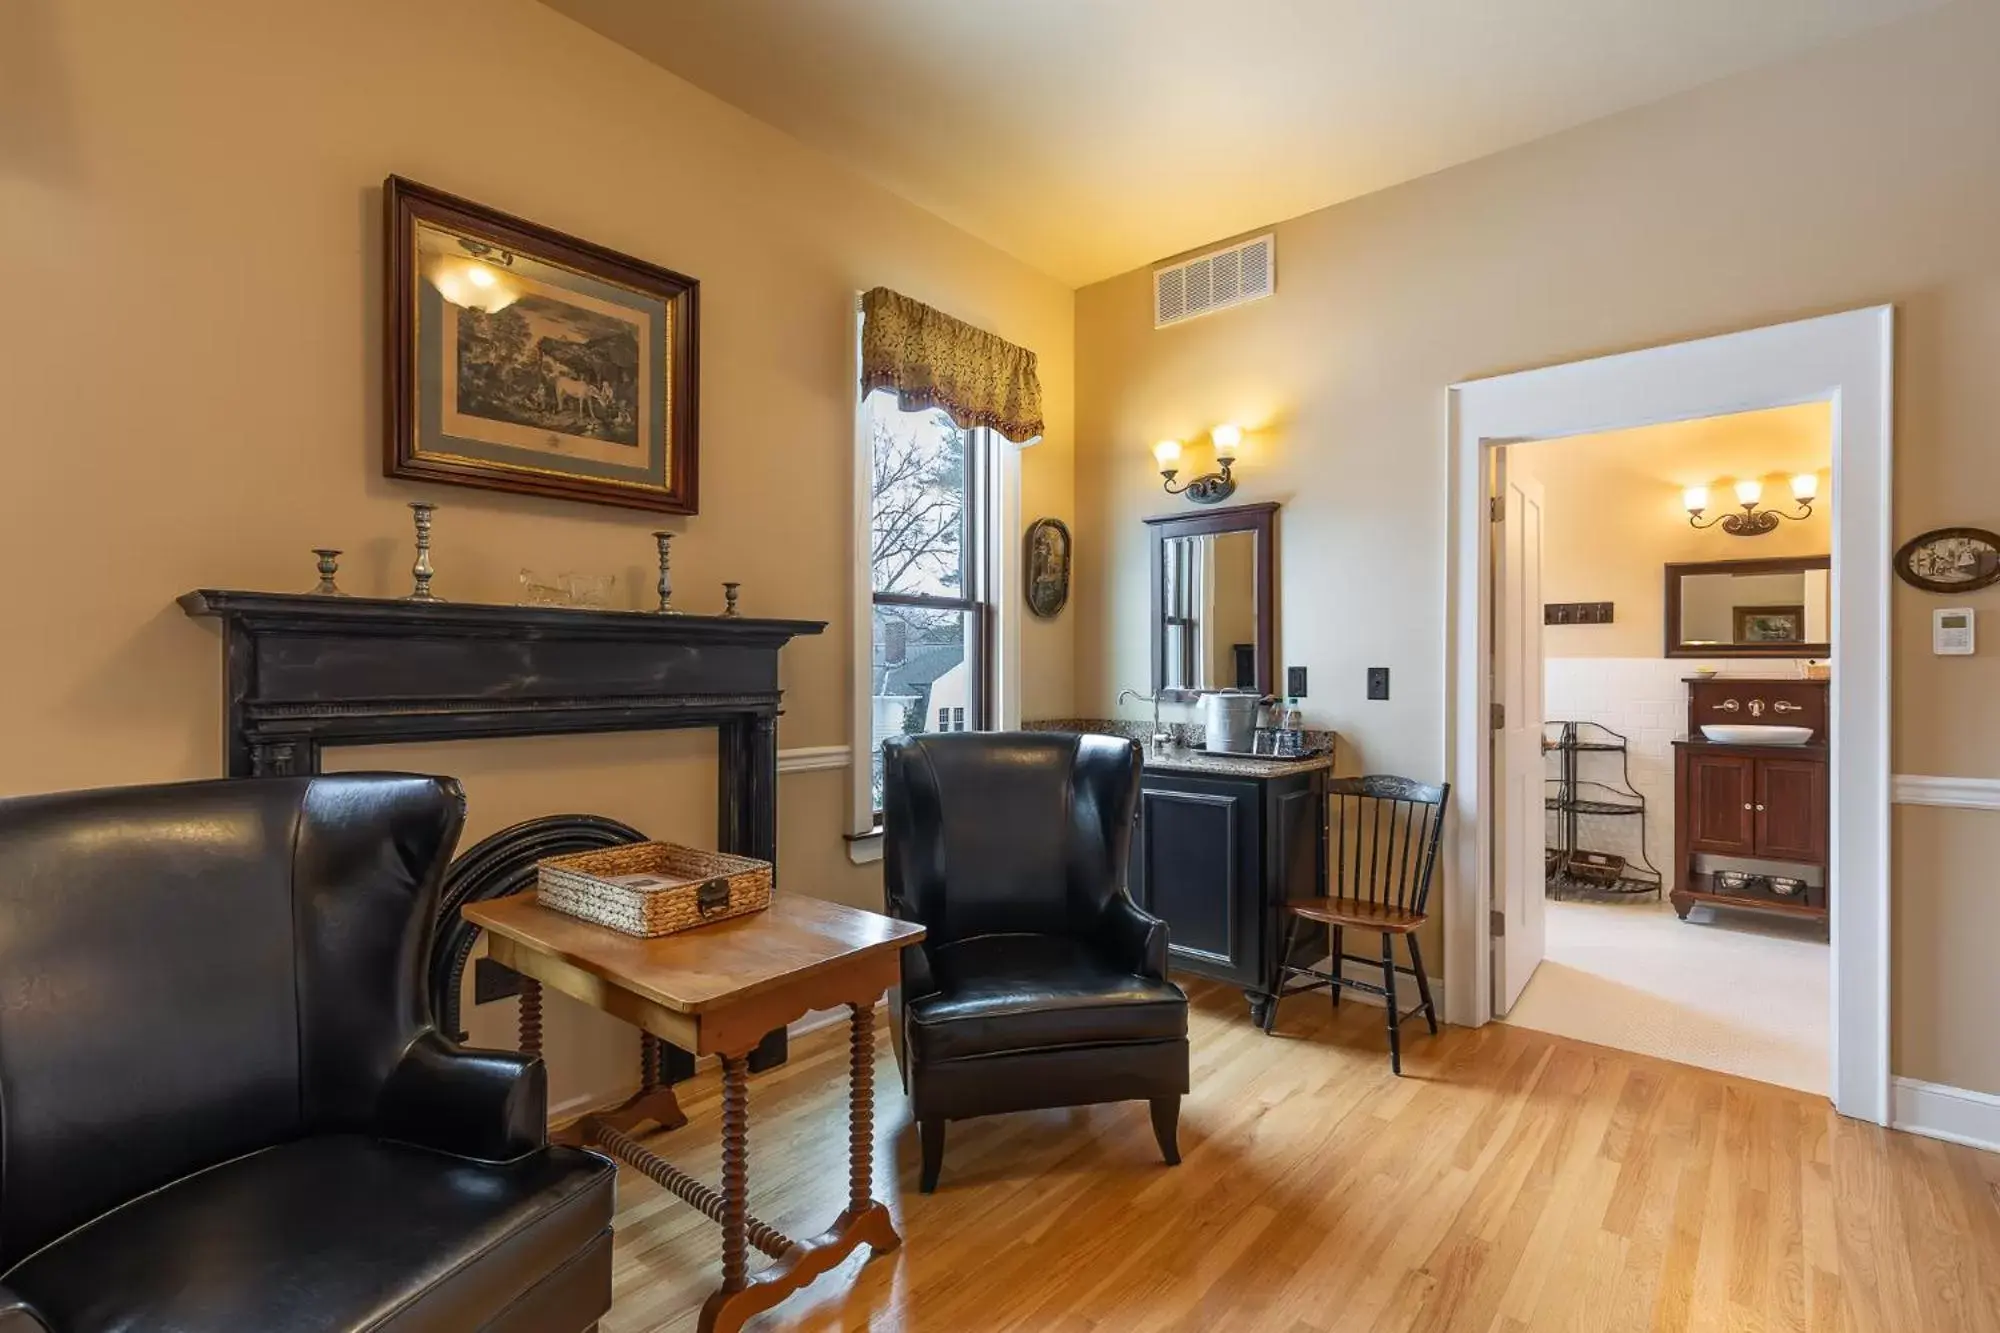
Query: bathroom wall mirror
{"points": [[1750, 608], [1213, 594]]}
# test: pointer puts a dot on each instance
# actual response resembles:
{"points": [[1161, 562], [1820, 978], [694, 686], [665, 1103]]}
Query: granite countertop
{"points": [[1233, 765], [1187, 756]]}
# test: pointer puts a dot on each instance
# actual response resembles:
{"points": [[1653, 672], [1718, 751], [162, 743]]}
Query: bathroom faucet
{"points": [[1161, 740]]}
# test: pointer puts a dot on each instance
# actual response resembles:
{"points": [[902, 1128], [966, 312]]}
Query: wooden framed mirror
{"points": [[1214, 601], [1750, 608]]}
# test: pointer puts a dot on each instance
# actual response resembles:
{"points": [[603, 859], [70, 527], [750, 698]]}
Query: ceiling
{"points": [[1768, 445], [1088, 137]]}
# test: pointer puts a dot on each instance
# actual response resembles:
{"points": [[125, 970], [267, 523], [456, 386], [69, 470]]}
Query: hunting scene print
{"points": [[553, 366], [523, 359]]}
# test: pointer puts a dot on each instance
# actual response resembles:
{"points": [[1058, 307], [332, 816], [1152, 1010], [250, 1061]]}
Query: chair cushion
{"points": [[325, 1235], [1001, 993]]}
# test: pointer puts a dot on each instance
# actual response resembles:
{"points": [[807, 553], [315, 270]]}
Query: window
{"points": [[930, 668]]}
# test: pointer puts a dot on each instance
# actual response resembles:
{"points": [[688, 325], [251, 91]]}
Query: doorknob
{"points": [[1760, 807], [1746, 805]]}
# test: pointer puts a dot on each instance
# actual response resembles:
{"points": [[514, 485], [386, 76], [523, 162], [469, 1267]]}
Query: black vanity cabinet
{"points": [[1216, 853]]}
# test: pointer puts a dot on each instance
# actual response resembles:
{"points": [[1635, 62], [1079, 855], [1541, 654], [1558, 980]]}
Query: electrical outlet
{"points": [[1378, 682], [1295, 682]]}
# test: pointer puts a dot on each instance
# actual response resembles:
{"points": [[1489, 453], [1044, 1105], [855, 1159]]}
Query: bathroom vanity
{"points": [[1751, 816]]}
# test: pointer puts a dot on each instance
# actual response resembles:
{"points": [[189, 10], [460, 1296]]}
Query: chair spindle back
{"points": [[1384, 834]]}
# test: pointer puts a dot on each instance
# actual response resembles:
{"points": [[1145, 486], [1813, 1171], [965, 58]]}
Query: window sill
{"points": [[865, 848]]}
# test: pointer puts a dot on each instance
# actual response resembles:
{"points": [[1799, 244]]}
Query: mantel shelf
{"points": [[301, 672], [309, 610]]}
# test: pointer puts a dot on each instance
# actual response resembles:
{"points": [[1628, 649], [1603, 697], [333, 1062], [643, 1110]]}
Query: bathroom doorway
{"points": [[1845, 360], [1650, 617]]}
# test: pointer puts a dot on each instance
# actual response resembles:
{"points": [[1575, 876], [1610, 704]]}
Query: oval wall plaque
{"points": [[1950, 560]]}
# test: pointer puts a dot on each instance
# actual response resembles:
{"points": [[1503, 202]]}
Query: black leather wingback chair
{"points": [[223, 1105], [1039, 982]]}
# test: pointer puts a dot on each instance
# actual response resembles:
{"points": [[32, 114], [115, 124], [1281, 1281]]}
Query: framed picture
{"points": [[1046, 578], [1950, 560], [521, 359], [1770, 624]]}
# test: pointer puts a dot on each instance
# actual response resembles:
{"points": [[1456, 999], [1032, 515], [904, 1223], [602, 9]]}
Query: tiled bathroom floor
{"points": [[1738, 992]]}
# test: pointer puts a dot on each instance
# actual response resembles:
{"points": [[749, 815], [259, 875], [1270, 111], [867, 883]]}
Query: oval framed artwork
{"points": [[1950, 560], [1045, 577]]}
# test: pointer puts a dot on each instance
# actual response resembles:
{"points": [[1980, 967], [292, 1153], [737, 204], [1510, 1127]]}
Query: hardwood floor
{"points": [[1511, 1181]]}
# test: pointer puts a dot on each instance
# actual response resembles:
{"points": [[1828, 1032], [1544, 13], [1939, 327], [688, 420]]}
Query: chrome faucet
{"points": [[1161, 740]]}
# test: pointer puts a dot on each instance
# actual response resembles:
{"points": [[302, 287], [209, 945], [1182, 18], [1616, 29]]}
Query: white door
{"points": [[1520, 831]]}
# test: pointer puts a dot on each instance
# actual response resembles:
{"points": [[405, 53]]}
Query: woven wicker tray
{"points": [[653, 888]]}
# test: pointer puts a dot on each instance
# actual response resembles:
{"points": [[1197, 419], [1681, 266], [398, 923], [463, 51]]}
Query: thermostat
{"points": [[1951, 632]]}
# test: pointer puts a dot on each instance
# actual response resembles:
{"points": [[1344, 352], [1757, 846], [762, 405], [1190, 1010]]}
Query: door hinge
{"points": [[1496, 508], [1499, 717], [1496, 924]]}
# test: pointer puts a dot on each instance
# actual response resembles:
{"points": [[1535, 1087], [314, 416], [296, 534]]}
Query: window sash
{"points": [[976, 575]]}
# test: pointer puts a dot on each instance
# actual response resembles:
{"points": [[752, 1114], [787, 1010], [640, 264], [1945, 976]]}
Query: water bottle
{"points": [[1291, 739]]}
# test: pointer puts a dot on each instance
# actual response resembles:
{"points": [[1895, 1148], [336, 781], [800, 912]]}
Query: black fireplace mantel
{"points": [[301, 672]]}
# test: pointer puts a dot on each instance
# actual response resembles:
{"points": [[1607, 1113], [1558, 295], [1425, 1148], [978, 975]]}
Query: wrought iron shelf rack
{"points": [[1572, 797]]}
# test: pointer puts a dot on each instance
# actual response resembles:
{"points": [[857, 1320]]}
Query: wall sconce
{"points": [[1752, 522], [1214, 487]]}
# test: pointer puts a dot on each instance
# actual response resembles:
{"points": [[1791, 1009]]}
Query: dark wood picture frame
{"points": [[405, 204], [1906, 555], [1741, 616], [1775, 565], [1258, 518]]}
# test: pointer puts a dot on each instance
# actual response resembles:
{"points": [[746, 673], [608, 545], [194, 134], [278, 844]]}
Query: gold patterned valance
{"points": [[933, 360]]}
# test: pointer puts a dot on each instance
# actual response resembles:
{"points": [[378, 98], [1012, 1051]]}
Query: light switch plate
{"points": [[1295, 682], [1378, 682]]}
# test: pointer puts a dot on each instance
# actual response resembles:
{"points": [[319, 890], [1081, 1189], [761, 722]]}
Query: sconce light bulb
{"points": [[1805, 486], [1167, 453], [479, 275], [1749, 492], [1695, 498], [1226, 437]]}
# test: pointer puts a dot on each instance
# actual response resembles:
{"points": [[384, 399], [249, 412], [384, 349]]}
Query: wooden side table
{"points": [[716, 990]]}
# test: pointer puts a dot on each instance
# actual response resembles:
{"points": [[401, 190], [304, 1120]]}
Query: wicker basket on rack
{"points": [[653, 888]]}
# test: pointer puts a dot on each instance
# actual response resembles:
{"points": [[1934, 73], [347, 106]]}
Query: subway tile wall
{"points": [[1643, 699]]}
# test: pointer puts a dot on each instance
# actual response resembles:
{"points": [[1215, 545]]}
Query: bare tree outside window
{"points": [[929, 659]]}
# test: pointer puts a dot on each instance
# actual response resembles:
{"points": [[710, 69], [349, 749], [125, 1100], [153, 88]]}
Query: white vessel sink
{"points": [[1739, 733]]}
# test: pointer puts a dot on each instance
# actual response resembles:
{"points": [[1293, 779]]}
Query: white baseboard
{"points": [[571, 1107], [1956, 1115]]}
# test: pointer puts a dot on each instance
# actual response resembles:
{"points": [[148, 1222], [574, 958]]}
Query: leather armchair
{"points": [[1040, 982], [223, 1102]]}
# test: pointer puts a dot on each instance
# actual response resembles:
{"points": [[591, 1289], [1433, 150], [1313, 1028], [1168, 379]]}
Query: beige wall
{"points": [[1865, 173], [190, 235], [1612, 514]]}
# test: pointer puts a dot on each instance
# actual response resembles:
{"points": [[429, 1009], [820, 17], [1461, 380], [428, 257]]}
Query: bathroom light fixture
{"points": [[1752, 522], [1214, 487]]}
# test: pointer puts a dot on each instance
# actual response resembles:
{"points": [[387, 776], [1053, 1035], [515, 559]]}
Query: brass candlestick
{"points": [[666, 606], [729, 598], [421, 571], [329, 565]]}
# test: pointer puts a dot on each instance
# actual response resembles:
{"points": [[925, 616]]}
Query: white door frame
{"points": [[1845, 359]]}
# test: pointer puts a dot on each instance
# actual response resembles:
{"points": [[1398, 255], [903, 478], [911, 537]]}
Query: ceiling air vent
{"points": [[1214, 281]]}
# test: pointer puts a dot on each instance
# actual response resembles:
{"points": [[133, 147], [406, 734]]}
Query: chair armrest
{"points": [[490, 1106], [17, 1316], [1133, 937], [918, 980]]}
